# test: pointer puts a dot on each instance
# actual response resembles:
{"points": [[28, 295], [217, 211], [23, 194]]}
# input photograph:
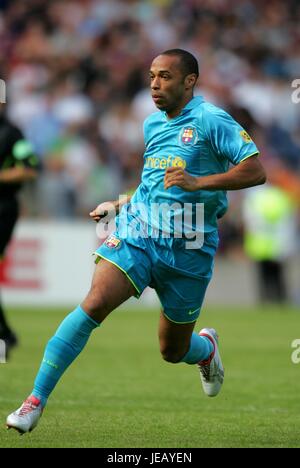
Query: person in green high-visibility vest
{"points": [[270, 238]]}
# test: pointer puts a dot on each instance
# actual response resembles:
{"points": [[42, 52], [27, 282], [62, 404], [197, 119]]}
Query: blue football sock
{"points": [[68, 341], [200, 349]]}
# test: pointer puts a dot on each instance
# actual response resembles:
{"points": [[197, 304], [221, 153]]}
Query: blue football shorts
{"points": [[179, 276]]}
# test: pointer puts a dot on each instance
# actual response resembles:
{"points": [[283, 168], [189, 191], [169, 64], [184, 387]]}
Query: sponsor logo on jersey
{"points": [[164, 162]]}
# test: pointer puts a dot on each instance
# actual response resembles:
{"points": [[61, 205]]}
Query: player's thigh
{"points": [[174, 338], [110, 288], [181, 298], [123, 271]]}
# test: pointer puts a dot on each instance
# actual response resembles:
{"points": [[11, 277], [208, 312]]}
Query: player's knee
{"points": [[171, 355], [95, 305]]}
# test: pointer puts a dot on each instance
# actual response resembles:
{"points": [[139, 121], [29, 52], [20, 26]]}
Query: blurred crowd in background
{"points": [[78, 86]]}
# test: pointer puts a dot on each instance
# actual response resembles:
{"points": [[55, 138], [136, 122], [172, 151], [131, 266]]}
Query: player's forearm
{"points": [[226, 182], [16, 175], [108, 210], [122, 200], [244, 175]]}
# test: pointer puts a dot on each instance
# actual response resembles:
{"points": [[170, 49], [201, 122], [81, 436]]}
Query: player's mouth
{"points": [[156, 97]]}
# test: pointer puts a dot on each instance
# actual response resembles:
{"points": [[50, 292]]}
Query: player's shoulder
{"points": [[152, 122], [212, 117], [155, 117], [210, 110]]}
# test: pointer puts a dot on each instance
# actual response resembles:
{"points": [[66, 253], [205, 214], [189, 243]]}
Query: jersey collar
{"points": [[192, 104]]}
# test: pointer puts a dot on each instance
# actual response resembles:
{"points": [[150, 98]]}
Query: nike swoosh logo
{"points": [[191, 312]]}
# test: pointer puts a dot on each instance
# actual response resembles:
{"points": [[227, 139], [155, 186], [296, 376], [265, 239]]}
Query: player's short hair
{"points": [[188, 62]]}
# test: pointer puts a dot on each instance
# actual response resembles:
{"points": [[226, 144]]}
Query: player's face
{"points": [[168, 85]]}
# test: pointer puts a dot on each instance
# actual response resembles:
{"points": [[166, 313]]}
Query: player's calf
{"points": [[171, 354]]}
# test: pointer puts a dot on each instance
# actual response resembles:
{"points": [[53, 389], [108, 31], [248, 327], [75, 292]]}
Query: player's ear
{"points": [[190, 81]]}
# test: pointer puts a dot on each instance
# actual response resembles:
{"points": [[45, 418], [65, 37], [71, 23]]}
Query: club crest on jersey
{"points": [[188, 136], [113, 242]]}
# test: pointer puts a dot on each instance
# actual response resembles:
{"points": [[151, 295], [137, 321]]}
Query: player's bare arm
{"points": [[248, 173], [17, 175], [109, 209]]}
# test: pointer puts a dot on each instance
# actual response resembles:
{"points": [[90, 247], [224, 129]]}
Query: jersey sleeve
{"points": [[227, 138]]}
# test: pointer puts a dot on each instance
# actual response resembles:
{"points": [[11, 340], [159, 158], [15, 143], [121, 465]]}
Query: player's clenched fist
{"points": [[104, 212], [177, 176]]}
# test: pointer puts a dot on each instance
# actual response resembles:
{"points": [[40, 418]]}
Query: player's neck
{"points": [[172, 114]]}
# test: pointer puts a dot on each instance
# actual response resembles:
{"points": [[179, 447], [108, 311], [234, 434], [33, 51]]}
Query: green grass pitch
{"points": [[120, 393]]}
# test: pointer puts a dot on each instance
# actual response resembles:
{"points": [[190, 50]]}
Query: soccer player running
{"points": [[189, 146], [17, 165]]}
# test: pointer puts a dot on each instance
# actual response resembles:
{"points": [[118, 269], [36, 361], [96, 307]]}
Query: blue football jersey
{"points": [[203, 140]]}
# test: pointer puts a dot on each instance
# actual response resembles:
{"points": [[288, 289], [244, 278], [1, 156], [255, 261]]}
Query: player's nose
{"points": [[155, 83]]}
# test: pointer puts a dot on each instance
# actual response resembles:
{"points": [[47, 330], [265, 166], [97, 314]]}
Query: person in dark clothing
{"points": [[18, 164]]}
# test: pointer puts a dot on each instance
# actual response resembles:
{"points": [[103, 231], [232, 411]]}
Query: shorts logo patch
{"points": [[188, 136], [113, 242]]}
